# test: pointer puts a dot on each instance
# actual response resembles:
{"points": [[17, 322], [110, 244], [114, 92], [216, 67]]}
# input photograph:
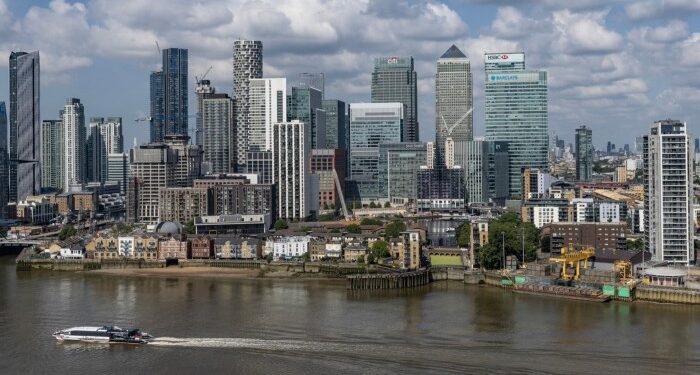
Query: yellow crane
{"points": [[572, 258]]}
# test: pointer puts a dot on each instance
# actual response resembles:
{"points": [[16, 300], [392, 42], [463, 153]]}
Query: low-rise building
{"points": [[174, 248], [351, 253], [238, 248], [232, 224], [287, 247], [146, 247], [103, 248], [600, 236], [35, 210], [202, 247]]}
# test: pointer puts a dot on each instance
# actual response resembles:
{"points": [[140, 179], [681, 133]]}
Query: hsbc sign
{"points": [[504, 57]]}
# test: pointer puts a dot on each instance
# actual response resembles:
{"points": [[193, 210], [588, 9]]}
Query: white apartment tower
{"points": [[267, 106], [73, 116], [290, 154], [668, 192]]}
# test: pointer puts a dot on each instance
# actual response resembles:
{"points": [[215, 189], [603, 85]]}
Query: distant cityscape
{"points": [[277, 154]]}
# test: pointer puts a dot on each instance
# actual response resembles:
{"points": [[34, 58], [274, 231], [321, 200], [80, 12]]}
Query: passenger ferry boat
{"points": [[104, 334]]}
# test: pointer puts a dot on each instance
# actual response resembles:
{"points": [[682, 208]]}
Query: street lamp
{"points": [[503, 248]]}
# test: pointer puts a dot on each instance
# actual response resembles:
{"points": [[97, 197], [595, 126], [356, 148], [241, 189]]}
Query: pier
{"points": [[388, 280]]}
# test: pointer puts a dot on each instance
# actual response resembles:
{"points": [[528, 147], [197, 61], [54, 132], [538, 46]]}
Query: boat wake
{"points": [[245, 343]]}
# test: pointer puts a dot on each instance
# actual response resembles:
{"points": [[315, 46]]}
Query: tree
{"points": [[387, 205], [370, 221], [463, 235], [508, 232], [66, 232], [361, 259], [637, 244], [306, 257], [372, 205], [121, 229], [268, 258], [370, 258], [189, 228], [380, 249], [326, 217], [394, 229], [353, 228], [281, 224]]}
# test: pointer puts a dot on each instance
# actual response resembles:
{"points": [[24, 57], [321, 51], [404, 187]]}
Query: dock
{"points": [[388, 280]]}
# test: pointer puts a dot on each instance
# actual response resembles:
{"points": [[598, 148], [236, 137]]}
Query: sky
{"points": [[615, 66]]}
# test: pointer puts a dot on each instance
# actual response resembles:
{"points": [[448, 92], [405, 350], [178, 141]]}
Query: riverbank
{"points": [[209, 272]]}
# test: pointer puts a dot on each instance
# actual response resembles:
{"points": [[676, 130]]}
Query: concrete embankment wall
{"points": [[667, 295], [388, 280], [437, 274]]}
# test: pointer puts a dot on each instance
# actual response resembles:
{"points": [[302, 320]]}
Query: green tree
{"points": [[370, 221], [387, 205], [394, 229], [353, 228], [268, 258], [508, 232], [281, 224], [463, 234], [546, 243], [326, 217], [372, 205], [361, 259], [637, 244], [121, 229], [306, 257], [66, 232], [189, 228], [380, 249], [370, 258]]}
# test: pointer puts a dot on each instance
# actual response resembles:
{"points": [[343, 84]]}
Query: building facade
{"points": [[52, 155], [247, 65], [398, 167], [336, 124], [25, 126], [189, 159], [74, 143], [157, 107], [267, 106], [668, 192], [182, 205], [202, 91], [394, 80], [290, 152], [305, 105], [118, 170], [4, 163], [486, 171], [152, 168], [217, 133], [516, 112], [584, 154], [175, 91], [328, 164]]}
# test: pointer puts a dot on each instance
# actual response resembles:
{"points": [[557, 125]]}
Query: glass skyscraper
{"points": [[516, 112], [398, 165], [25, 125], [336, 123], [584, 154], [4, 163], [175, 90], [395, 81], [305, 104], [486, 171], [157, 110]]}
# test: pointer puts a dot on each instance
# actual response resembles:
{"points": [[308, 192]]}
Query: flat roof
{"points": [[666, 272]]}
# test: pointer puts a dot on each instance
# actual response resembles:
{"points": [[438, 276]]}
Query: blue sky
{"points": [[615, 66]]}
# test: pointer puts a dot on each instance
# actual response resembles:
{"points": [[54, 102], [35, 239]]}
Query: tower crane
{"points": [[200, 79]]}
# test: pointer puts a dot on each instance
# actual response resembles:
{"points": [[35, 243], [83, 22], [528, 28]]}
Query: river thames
{"points": [[264, 326]]}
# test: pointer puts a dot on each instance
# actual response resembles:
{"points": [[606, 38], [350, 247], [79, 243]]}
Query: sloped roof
{"points": [[452, 53]]}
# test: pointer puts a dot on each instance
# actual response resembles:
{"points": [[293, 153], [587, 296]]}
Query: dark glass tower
{"points": [[584, 154], [305, 105], [25, 125], [175, 90], [4, 162], [157, 110], [395, 81]]}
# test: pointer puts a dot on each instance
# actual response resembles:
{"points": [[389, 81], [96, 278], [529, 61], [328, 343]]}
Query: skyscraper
{"points": [[371, 124], [398, 163], [217, 127], [305, 105], [104, 138], [189, 159], [315, 80], [453, 104], [52, 155], [486, 171], [247, 64], [118, 170], [668, 192], [175, 91], [157, 118], [267, 105], [4, 163], [584, 154], [203, 90], [336, 123], [152, 167], [25, 125], [516, 112], [395, 81], [290, 152], [74, 137]]}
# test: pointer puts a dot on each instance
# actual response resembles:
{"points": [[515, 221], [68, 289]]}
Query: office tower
{"points": [[336, 123], [371, 124], [74, 145], [609, 148], [189, 159], [247, 64], [453, 104], [516, 112], [4, 163], [398, 164], [668, 192], [25, 126], [290, 152], [305, 105], [395, 81], [486, 171], [217, 131], [152, 167], [104, 138], [118, 170], [175, 91], [52, 155], [584, 154], [315, 80], [639, 145], [260, 164], [157, 118], [267, 104], [202, 91], [440, 189], [328, 164], [430, 155]]}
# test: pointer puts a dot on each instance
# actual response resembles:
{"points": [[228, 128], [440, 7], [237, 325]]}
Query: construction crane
{"points": [[158, 47], [570, 258], [141, 119], [623, 269], [198, 80]]}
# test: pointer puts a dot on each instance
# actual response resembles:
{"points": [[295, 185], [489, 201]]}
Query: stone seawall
{"points": [[667, 295]]}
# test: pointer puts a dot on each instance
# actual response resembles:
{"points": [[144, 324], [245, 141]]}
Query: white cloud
{"points": [[584, 32], [661, 8]]}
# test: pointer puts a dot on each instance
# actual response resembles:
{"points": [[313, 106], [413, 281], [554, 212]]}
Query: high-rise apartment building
{"points": [[336, 123], [486, 171], [516, 112], [4, 163], [584, 154], [175, 93], [25, 126], [267, 105], [668, 192], [152, 167], [118, 170], [305, 105], [395, 81], [202, 91], [290, 152], [52, 155], [453, 105], [217, 133], [74, 143], [247, 65], [157, 118], [324, 163], [104, 138], [371, 124], [189, 159]]}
